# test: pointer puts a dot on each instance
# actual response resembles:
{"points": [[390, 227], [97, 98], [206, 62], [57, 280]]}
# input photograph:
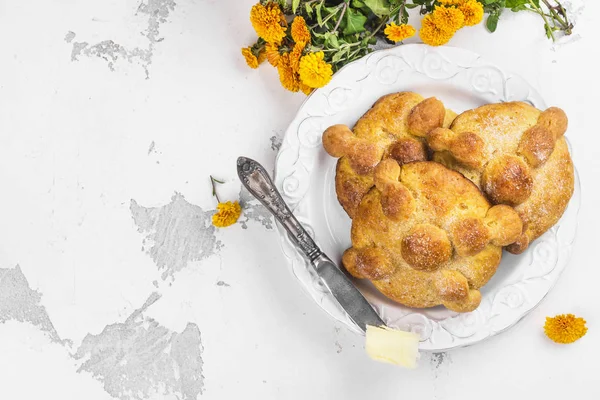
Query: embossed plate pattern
{"points": [[304, 174]]}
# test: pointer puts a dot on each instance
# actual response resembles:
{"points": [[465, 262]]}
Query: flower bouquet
{"points": [[308, 40]]}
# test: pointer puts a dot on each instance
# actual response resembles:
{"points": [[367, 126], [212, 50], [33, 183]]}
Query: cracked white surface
{"points": [[157, 99]]}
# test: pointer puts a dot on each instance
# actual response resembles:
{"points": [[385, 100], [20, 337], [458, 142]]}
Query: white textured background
{"points": [[112, 116]]}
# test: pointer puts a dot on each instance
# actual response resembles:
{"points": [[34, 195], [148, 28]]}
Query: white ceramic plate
{"points": [[304, 174]]}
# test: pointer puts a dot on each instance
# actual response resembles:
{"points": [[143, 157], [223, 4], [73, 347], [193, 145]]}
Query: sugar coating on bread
{"points": [[395, 127], [517, 155], [440, 252]]}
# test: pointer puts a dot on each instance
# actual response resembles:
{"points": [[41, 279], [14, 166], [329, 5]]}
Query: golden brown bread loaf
{"points": [[425, 235], [395, 127], [517, 155]]}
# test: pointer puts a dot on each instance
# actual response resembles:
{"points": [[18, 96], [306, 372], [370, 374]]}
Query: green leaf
{"points": [[319, 17], [309, 10], [379, 7], [519, 8], [520, 5], [354, 22], [411, 6], [492, 22], [359, 5], [337, 56], [331, 40], [404, 17], [488, 2], [295, 4]]}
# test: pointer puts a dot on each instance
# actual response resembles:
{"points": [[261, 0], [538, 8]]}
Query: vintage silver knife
{"points": [[256, 179]]}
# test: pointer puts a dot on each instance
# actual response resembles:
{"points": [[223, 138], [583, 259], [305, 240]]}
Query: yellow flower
{"points": [[267, 20], [448, 18], [300, 32], [295, 55], [565, 328], [272, 53], [288, 78], [452, 2], [473, 12], [398, 33], [262, 56], [432, 34], [314, 71], [227, 214], [251, 59], [305, 89]]}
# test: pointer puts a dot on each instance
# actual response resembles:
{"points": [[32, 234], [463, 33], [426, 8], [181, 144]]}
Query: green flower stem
{"points": [[213, 182], [539, 11], [354, 53], [327, 18], [339, 21], [333, 14], [564, 23], [377, 29]]}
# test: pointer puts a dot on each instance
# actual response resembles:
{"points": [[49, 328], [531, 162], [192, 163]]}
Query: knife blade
{"points": [[256, 179]]}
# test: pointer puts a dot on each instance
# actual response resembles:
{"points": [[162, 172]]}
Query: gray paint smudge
{"points": [[440, 367], [186, 350], [176, 234], [151, 148], [77, 49], [20, 303], [253, 210], [69, 37], [222, 283], [157, 12], [110, 51], [275, 143], [437, 359], [338, 347], [139, 358]]}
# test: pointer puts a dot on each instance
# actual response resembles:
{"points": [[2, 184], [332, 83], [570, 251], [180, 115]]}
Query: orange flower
{"points": [[251, 59], [227, 214], [448, 18], [288, 78], [314, 71], [305, 89], [432, 34], [262, 56], [300, 32], [267, 21], [295, 55], [473, 12], [452, 2], [272, 53], [398, 33], [565, 328]]}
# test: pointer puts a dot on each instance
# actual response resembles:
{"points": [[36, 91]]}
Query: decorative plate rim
{"points": [[292, 173]]}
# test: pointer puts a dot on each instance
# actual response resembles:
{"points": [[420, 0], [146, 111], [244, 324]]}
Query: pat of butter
{"points": [[393, 346]]}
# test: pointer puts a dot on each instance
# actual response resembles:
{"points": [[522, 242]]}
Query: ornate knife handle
{"points": [[256, 179]]}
